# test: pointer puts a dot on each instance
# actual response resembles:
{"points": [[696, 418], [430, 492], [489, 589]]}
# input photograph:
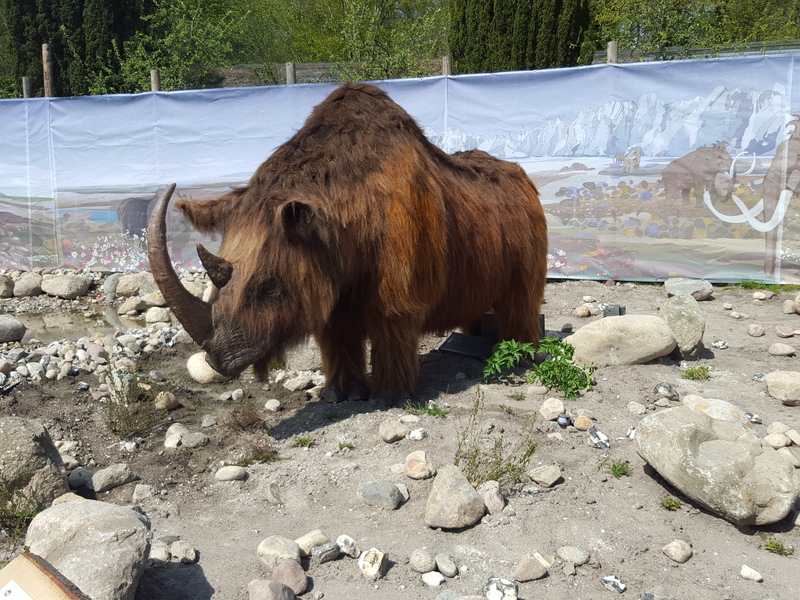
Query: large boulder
{"points": [[11, 329], [697, 288], [6, 286], [67, 286], [720, 465], [100, 547], [784, 386], [453, 503], [686, 322], [626, 340], [29, 284], [30, 462]]}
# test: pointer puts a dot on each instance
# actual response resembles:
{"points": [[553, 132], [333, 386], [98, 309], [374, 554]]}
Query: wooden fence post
{"points": [[446, 70], [26, 87], [611, 52], [290, 73], [47, 67], [155, 81]]}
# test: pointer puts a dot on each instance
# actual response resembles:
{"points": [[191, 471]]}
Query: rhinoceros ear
{"points": [[210, 216], [298, 221]]}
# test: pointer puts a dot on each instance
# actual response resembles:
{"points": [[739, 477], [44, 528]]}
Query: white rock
{"points": [[625, 340], [201, 371], [551, 409], [392, 430], [574, 555], [230, 473], [678, 550], [751, 574], [373, 564], [433, 578]]}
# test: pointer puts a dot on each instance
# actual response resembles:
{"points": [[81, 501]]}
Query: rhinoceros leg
{"points": [[395, 364], [341, 345]]}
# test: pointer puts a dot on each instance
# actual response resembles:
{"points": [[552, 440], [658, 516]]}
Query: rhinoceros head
{"points": [[272, 277]]}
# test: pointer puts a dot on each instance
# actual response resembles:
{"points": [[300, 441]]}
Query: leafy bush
{"points": [[558, 371]]}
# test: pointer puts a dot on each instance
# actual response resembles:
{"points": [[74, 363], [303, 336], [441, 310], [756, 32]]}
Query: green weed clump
{"points": [[17, 510], [670, 503], [431, 409], [618, 469], [749, 284], [558, 371], [701, 373], [131, 405], [777, 547], [500, 461], [304, 441]]}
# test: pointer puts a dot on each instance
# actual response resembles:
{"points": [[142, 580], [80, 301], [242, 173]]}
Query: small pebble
{"points": [[751, 574]]}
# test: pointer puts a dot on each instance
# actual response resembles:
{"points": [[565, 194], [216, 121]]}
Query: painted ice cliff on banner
{"points": [[646, 171]]}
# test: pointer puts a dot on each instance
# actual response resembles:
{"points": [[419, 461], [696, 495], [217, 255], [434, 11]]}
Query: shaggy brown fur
{"points": [[358, 229]]}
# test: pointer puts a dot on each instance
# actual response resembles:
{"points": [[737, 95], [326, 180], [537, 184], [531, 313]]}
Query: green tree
{"points": [[186, 41], [82, 35], [650, 27], [392, 38], [507, 35]]}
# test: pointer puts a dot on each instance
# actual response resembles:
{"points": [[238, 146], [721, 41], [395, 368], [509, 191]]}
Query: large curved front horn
{"points": [[192, 312]]}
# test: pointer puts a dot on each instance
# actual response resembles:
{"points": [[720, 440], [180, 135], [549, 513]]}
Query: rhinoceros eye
{"points": [[263, 291]]}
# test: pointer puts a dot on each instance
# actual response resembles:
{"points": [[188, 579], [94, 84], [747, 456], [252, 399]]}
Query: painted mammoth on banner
{"points": [[359, 229], [697, 170], [781, 182]]}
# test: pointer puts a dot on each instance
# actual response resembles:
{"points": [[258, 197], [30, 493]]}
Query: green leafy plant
{"points": [[332, 415], [17, 510], [304, 441], [499, 461], [619, 468], [777, 547], [131, 404], [507, 355], [559, 371], [670, 503], [518, 396], [431, 409], [346, 446], [701, 373]]}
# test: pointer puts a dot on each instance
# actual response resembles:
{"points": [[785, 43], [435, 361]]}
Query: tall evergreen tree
{"points": [[85, 37], [508, 35]]}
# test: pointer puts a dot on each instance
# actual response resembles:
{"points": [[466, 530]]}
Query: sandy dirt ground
{"points": [[620, 522]]}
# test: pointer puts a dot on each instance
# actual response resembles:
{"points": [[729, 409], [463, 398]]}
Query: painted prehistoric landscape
{"points": [[650, 448]]}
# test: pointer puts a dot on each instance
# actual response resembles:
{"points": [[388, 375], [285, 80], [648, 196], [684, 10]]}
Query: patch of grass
{"points": [[260, 451], [670, 503], [246, 418], [346, 446], [507, 409], [518, 396], [618, 469], [304, 441], [431, 409], [131, 404], [701, 373], [17, 510], [499, 460], [749, 284], [777, 547], [332, 415], [559, 370]]}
